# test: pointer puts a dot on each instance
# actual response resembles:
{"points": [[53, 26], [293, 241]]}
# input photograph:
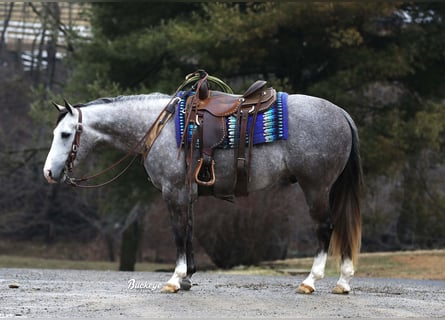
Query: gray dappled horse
{"points": [[321, 154]]}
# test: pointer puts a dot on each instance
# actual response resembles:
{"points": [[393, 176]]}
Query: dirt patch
{"points": [[104, 294]]}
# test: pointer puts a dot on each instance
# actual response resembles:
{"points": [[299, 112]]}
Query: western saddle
{"points": [[206, 110]]}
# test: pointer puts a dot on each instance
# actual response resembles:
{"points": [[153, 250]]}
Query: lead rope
{"points": [[74, 182], [149, 137]]}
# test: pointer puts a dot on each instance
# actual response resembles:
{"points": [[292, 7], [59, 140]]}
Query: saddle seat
{"points": [[221, 104]]}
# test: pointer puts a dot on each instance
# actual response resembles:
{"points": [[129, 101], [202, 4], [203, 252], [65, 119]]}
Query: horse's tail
{"points": [[344, 201]]}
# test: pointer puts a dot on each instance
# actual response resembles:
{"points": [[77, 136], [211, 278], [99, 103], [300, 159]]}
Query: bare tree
{"points": [[8, 9]]}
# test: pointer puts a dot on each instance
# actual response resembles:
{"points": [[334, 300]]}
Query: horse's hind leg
{"points": [[338, 229], [181, 215], [319, 209], [346, 274]]}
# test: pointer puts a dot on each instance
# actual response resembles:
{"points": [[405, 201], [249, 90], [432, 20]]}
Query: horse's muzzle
{"points": [[48, 176]]}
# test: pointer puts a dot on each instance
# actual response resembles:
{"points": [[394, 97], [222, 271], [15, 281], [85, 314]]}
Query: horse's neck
{"points": [[123, 123]]}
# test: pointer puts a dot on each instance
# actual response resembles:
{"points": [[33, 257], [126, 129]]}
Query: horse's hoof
{"points": [[169, 288], [186, 284], [305, 289], [339, 290]]}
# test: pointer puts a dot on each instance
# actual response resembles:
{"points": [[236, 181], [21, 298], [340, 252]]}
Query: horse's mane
{"points": [[109, 100]]}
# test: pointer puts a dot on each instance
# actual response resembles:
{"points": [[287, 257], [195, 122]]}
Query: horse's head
{"points": [[65, 143]]}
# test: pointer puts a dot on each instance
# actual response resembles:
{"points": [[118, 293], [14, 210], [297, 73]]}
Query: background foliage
{"points": [[383, 62]]}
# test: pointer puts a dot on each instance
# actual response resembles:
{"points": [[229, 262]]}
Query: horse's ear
{"points": [[58, 106], [68, 107]]}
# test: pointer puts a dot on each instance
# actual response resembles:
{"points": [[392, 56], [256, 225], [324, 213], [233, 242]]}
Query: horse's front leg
{"points": [[181, 215]]}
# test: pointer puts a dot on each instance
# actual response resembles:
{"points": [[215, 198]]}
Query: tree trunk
{"points": [[131, 239], [130, 246], [51, 46]]}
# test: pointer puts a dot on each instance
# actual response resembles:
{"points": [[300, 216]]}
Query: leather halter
{"points": [[149, 139], [69, 164]]}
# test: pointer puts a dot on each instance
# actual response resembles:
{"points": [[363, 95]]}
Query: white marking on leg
{"points": [[180, 272], [347, 272], [317, 271]]}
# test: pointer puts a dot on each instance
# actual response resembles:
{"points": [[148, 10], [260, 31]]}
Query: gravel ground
{"points": [[100, 294]]}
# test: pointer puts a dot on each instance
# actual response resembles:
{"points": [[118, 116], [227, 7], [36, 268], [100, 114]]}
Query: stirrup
{"points": [[212, 178]]}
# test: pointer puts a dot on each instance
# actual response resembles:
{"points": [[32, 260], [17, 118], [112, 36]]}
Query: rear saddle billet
{"points": [[207, 111]]}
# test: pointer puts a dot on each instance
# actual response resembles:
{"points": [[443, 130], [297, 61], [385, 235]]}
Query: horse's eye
{"points": [[65, 135]]}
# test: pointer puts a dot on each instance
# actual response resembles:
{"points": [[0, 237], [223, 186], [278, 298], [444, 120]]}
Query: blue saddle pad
{"points": [[271, 125]]}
